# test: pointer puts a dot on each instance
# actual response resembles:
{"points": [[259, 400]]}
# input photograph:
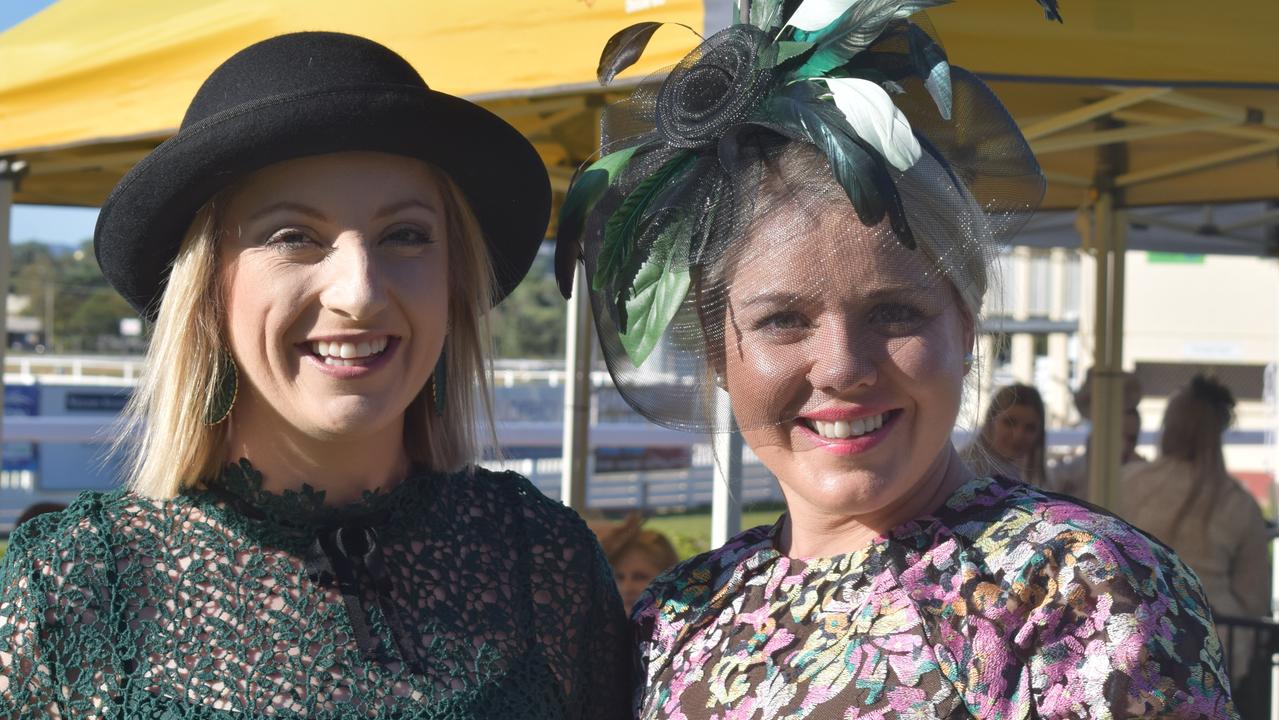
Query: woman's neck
{"points": [[811, 532], [344, 468]]}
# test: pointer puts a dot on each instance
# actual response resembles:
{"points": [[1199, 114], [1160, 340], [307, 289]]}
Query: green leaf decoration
{"points": [[854, 31], [659, 288], [787, 49], [585, 191], [618, 259]]}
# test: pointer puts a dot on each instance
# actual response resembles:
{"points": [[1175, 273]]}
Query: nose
{"points": [[354, 284], [842, 358]]}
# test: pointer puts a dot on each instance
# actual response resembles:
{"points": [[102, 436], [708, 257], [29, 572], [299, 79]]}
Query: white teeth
{"points": [[339, 353], [842, 429]]}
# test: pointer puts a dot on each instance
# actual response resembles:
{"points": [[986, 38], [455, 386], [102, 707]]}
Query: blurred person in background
{"points": [[638, 555], [37, 510], [1011, 440], [1188, 499], [1070, 476], [305, 530]]}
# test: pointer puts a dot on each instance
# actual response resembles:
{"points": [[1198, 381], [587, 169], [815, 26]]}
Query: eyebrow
{"points": [[396, 207], [309, 211], [287, 205], [790, 298]]}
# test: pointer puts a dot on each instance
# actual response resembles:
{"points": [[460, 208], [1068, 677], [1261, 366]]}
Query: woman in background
{"points": [[1011, 441], [1189, 500], [638, 555]]}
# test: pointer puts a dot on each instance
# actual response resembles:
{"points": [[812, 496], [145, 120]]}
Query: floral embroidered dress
{"points": [[1005, 603], [449, 597]]}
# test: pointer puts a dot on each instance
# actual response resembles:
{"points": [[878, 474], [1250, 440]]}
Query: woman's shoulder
{"points": [[699, 577], [479, 489], [72, 547], [1021, 534]]}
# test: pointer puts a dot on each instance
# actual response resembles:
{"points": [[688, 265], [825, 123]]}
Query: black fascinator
{"points": [[765, 130]]}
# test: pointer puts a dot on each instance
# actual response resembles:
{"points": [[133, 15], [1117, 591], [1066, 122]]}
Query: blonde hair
{"points": [[168, 446]]}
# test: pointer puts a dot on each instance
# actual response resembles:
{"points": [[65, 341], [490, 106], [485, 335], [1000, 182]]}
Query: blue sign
{"points": [[21, 400]]}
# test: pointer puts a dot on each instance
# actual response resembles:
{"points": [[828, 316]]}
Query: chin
{"points": [[343, 420]]}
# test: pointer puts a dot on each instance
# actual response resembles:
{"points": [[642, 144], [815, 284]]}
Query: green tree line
{"points": [[65, 285]]}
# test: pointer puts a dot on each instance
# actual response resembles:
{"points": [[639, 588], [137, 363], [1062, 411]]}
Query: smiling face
{"points": [[844, 359], [335, 273]]}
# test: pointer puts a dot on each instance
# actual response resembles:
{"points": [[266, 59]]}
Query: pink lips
{"points": [[362, 369], [850, 445]]}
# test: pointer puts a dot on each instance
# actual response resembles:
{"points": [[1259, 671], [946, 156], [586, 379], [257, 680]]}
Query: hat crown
{"points": [[298, 63]]}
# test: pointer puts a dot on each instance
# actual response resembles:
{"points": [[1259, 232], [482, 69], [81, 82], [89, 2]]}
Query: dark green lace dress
{"points": [[452, 596]]}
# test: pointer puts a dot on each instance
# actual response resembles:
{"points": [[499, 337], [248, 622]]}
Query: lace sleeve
{"points": [[606, 668], [51, 602], [579, 617], [1123, 631]]}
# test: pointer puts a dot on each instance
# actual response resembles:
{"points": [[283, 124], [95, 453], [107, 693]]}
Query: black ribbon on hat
{"points": [[340, 556]]}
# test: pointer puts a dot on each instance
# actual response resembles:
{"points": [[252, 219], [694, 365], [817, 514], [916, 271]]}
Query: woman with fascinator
{"points": [[791, 234], [304, 533]]}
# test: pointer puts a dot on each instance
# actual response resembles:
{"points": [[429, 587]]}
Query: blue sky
{"points": [[54, 225]]}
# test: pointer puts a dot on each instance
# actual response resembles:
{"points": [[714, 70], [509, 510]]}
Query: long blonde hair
{"points": [[1194, 422], [168, 446]]}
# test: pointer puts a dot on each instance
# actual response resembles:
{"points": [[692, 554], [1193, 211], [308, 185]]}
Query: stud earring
{"points": [[224, 394], [968, 362]]}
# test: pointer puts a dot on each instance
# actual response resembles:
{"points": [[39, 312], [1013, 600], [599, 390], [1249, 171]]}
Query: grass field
{"points": [[690, 533]]}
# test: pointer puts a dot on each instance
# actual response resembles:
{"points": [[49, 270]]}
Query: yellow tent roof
{"points": [[88, 86], [1184, 95]]}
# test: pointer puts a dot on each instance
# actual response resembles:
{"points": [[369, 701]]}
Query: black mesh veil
{"points": [[752, 242]]}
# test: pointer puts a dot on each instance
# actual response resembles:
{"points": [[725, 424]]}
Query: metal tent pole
{"points": [[577, 396], [11, 171], [1107, 403]]}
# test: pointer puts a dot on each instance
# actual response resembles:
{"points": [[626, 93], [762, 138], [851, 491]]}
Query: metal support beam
{"points": [[11, 171], [1076, 141], [1092, 111], [577, 396], [1203, 162], [1107, 407], [726, 490]]}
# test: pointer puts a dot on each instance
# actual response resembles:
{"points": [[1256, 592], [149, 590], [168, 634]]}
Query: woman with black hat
{"points": [[304, 533], [791, 235]]}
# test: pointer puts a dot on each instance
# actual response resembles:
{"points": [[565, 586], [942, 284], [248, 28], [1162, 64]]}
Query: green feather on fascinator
{"points": [[826, 75]]}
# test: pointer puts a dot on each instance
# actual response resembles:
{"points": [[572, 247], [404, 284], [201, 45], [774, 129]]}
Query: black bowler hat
{"points": [[312, 93]]}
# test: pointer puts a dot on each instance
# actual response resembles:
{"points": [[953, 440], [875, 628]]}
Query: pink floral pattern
{"points": [[1005, 603]]}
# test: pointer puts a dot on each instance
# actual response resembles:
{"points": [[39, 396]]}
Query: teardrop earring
{"points": [[225, 391], [439, 384]]}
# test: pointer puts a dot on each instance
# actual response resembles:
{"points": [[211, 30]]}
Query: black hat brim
{"points": [[142, 223]]}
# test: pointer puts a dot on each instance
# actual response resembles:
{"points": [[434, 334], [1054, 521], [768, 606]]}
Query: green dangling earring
{"points": [[439, 383], [224, 395]]}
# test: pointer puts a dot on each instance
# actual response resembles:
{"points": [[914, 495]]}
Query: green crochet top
{"points": [[457, 596]]}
